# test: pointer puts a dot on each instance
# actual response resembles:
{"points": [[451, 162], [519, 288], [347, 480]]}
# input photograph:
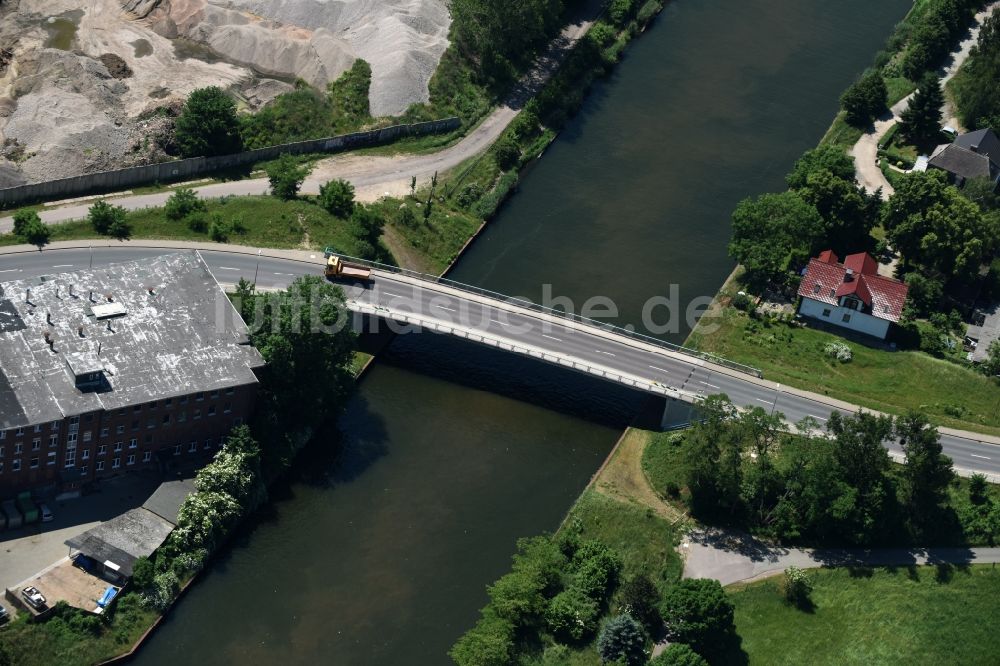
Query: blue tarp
{"points": [[109, 594]]}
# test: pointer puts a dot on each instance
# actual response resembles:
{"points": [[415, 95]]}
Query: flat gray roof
{"points": [[167, 499], [180, 335], [123, 539]]}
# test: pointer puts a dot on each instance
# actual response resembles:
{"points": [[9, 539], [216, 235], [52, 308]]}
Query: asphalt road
{"points": [[522, 327]]}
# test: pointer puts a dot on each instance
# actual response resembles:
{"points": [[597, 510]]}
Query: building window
{"points": [[36, 444], [211, 410], [182, 417], [208, 443], [130, 460], [166, 419], [118, 446], [102, 449], [33, 464], [183, 400], [152, 424], [116, 463], [100, 466], [826, 312], [83, 470], [3, 434], [86, 454], [18, 432], [147, 456], [152, 405], [38, 427], [214, 394], [18, 448], [230, 391], [192, 446], [132, 443], [197, 414], [120, 428], [227, 408], [105, 431], [846, 318], [168, 402], [3, 451], [53, 440], [87, 436], [177, 449], [1, 467], [135, 425], [16, 465], [55, 425], [50, 458], [137, 408], [71, 440], [199, 396], [74, 420], [70, 459]]}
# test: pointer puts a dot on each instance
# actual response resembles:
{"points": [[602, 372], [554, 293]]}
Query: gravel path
{"points": [[865, 151], [730, 557], [376, 176]]}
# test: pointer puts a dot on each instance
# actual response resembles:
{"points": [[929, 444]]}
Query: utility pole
{"points": [[256, 270]]}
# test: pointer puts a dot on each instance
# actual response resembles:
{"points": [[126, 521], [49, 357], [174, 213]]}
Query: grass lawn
{"points": [[841, 134], [425, 244], [268, 221], [922, 615], [952, 395]]}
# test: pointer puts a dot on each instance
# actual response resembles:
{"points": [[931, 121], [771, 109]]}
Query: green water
{"points": [[62, 30], [381, 555]]}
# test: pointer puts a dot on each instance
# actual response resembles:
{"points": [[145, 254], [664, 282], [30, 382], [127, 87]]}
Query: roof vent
{"points": [[849, 275], [109, 310]]}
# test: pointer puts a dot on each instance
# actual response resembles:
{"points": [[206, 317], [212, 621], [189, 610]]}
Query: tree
{"points": [[208, 124], [28, 226], [506, 152], [109, 220], [991, 366], [622, 640], [517, 597], [366, 225], [772, 233], [182, 203], [489, 643], [974, 87], [640, 598], [921, 120], [926, 470], [863, 463], [978, 489], [866, 99], [925, 293], [571, 615], [697, 612], [848, 212], [823, 158], [337, 198], [142, 573], [286, 176], [678, 654], [620, 11], [982, 192]]}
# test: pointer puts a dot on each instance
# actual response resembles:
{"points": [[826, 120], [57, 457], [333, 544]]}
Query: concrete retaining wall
{"points": [[163, 172]]}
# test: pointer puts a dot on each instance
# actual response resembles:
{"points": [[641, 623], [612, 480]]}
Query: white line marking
{"points": [[603, 352], [10, 270], [497, 321], [709, 385], [227, 268], [983, 457], [766, 402], [288, 274], [63, 266], [818, 418], [444, 307], [389, 293], [551, 338], [660, 369]]}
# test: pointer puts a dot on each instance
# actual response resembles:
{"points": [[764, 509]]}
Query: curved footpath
{"points": [[865, 151], [372, 176], [275, 269], [730, 557]]}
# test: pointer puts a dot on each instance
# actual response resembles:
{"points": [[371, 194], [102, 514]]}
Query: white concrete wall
{"points": [[860, 322]]}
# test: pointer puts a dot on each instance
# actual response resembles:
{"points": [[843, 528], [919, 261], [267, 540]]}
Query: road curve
{"points": [[971, 452]]}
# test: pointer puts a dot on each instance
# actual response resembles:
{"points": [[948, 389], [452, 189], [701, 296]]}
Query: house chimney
{"points": [[99, 345], [80, 330], [27, 295], [151, 291], [849, 275], [71, 292], [48, 318], [109, 297]]}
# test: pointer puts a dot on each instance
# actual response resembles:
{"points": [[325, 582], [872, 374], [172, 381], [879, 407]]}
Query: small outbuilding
{"points": [[973, 155]]}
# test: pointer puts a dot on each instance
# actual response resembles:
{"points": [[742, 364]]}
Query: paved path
{"points": [[731, 558], [865, 151], [489, 321], [373, 176]]}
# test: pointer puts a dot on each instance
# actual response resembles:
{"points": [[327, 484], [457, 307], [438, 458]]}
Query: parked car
{"points": [[46, 513], [33, 597], [4, 615]]}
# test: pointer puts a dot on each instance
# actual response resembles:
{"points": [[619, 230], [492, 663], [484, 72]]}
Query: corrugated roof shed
{"points": [[179, 335], [167, 499], [123, 539]]}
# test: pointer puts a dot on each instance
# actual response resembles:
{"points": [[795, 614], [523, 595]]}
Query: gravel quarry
{"points": [[94, 85]]}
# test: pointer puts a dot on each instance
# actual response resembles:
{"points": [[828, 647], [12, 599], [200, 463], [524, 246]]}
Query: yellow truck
{"points": [[338, 268]]}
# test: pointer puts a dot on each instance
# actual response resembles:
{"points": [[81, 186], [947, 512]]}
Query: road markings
{"points": [[766, 402], [287, 274], [11, 270], [63, 266], [227, 268], [818, 418], [444, 307], [551, 338], [709, 385], [983, 457], [497, 321], [660, 369], [599, 351]]}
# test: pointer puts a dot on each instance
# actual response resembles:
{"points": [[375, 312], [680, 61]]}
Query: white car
{"points": [[46, 513], [33, 597]]}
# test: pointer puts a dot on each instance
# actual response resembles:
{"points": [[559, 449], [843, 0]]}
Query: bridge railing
{"points": [[531, 305]]}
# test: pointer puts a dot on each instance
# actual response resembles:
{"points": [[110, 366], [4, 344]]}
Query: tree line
{"points": [[975, 87]]}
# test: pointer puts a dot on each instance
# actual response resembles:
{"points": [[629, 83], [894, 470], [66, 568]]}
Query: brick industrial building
{"points": [[139, 365]]}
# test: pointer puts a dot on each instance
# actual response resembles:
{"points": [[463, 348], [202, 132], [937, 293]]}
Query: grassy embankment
{"points": [[920, 615]]}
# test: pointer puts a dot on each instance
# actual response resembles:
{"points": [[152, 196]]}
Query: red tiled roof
{"points": [[827, 282], [828, 257]]}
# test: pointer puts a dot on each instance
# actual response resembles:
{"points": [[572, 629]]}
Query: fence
{"points": [[530, 305], [195, 166]]}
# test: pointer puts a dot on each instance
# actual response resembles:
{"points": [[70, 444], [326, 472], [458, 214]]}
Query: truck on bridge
{"points": [[336, 267]]}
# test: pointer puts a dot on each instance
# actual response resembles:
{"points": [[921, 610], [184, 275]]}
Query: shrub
{"points": [[164, 588], [142, 573], [285, 176], [839, 351], [697, 612], [109, 220], [620, 11], [218, 230], [797, 587], [572, 615], [866, 99], [741, 301], [595, 568], [30, 228], [197, 223], [621, 639], [182, 203], [506, 153], [678, 654], [639, 598], [517, 597], [489, 643], [337, 198], [208, 124], [602, 34]]}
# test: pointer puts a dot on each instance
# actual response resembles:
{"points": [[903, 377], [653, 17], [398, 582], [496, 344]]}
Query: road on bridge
{"points": [[442, 307]]}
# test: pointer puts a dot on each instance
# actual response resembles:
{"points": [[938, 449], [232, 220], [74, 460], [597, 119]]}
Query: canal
{"points": [[379, 550]]}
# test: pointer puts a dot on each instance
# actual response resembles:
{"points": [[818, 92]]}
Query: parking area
{"points": [[28, 550], [64, 581]]}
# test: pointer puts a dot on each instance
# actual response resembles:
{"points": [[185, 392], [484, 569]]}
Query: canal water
{"points": [[380, 549]]}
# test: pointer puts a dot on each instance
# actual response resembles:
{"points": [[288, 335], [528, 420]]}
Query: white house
{"points": [[851, 294]]}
